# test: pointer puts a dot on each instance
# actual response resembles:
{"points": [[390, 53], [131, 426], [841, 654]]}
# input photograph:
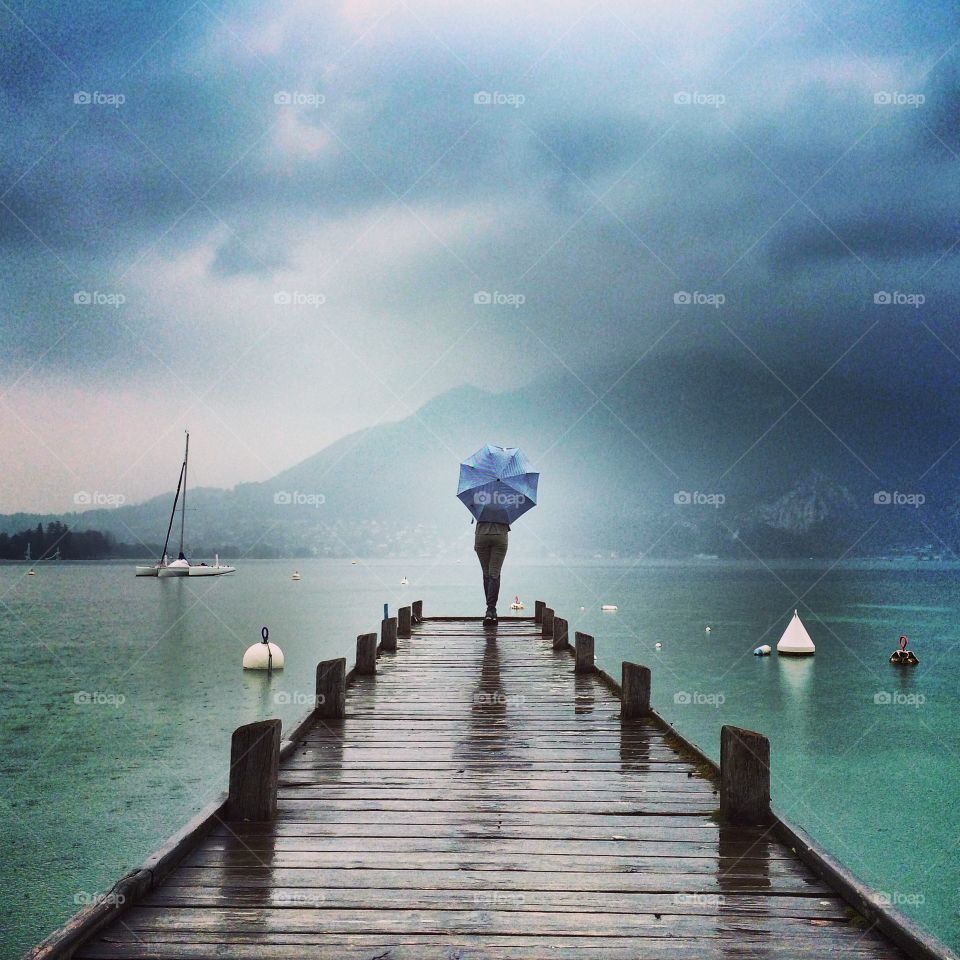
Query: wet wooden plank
{"points": [[480, 800]]}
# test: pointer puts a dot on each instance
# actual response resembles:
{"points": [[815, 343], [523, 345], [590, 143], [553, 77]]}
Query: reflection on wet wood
{"points": [[481, 799]]}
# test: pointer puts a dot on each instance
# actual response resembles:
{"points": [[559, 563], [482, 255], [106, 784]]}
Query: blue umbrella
{"points": [[497, 484]]}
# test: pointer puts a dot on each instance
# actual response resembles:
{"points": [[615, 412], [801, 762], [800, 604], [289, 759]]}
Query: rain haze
{"points": [[277, 224]]}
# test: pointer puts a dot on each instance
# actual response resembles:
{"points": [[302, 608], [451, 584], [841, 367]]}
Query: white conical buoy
{"points": [[264, 655], [795, 640]]}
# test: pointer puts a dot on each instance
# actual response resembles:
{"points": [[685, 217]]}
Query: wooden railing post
{"points": [[366, 654], [560, 633], [584, 645], [546, 622], [538, 608], [744, 776], [403, 622], [388, 633], [332, 688], [416, 611], [635, 695], [254, 770]]}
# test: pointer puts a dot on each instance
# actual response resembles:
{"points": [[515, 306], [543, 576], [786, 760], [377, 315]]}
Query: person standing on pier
{"points": [[490, 543], [496, 486]]}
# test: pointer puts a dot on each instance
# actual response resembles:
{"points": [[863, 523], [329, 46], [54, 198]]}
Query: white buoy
{"points": [[763, 650], [583, 608], [264, 655], [658, 645], [403, 582], [796, 641], [707, 630], [609, 608], [296, 575]]}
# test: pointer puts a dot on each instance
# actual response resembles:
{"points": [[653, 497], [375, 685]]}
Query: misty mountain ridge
{"points": [[679, 455]]}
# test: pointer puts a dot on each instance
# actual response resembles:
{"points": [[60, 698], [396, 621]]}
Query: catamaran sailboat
{"points": [[181, 567]]}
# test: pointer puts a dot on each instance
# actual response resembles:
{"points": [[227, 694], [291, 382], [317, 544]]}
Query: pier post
{"points": [[538, 607], [561, 631], [744, 776], [388, 633], [546, 622], [584, 646], [416, 611], [403, 622], [254, 770], [366, 654], [635, 691], [332, 688]]}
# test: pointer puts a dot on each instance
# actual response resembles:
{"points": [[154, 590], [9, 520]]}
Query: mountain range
{"points": [[676, 455]]}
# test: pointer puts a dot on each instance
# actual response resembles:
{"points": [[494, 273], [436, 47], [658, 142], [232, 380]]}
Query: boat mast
{"points": [[183, 506], [173, 513]]}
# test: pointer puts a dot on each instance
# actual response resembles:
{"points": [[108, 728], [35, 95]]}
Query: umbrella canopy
{"points": [[497, 484]]}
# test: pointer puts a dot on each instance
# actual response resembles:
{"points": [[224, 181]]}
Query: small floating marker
{"points": [[764, 650], [795, 641], [296, 575], [707, 630], [403, 582], [658, 646], [264, 655], [354, 562], [31, 572], [583, 608], [904, 657], [517, 604], [609, 608]]}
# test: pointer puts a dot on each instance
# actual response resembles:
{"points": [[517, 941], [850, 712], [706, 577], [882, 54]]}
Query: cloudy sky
{"points": [[272, 222]]}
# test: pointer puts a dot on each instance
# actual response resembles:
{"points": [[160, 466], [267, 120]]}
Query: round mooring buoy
{"points": [[264, 655], [904, 657]]}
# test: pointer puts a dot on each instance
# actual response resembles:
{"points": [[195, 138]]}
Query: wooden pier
{"points": [[466, 792]]}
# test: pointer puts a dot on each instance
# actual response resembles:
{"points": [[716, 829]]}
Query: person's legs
{"points": [[497, 554], [482, 548]]}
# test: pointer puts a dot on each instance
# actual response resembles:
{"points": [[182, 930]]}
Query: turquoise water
{"points": [[119, 696]]}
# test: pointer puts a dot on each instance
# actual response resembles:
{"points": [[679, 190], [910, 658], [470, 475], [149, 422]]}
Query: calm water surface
{"points": [[119, 696]]}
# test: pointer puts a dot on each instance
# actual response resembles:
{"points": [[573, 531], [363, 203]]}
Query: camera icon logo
{"points": [[82, 297], [283, 497], [482, 297], [482, 98], [681, 696], [282, 298], [282, 98], [82, 97], [682, 297], [882, 497]]}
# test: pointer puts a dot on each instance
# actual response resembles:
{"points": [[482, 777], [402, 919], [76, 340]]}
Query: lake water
{"points": [[120, 694]]}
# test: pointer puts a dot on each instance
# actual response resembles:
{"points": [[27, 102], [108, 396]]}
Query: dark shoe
{"points": [[490, 620]]}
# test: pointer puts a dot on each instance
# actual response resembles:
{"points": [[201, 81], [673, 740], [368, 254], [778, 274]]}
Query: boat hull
{"points": [[147, 571], [199, 571], [173, 572]]}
